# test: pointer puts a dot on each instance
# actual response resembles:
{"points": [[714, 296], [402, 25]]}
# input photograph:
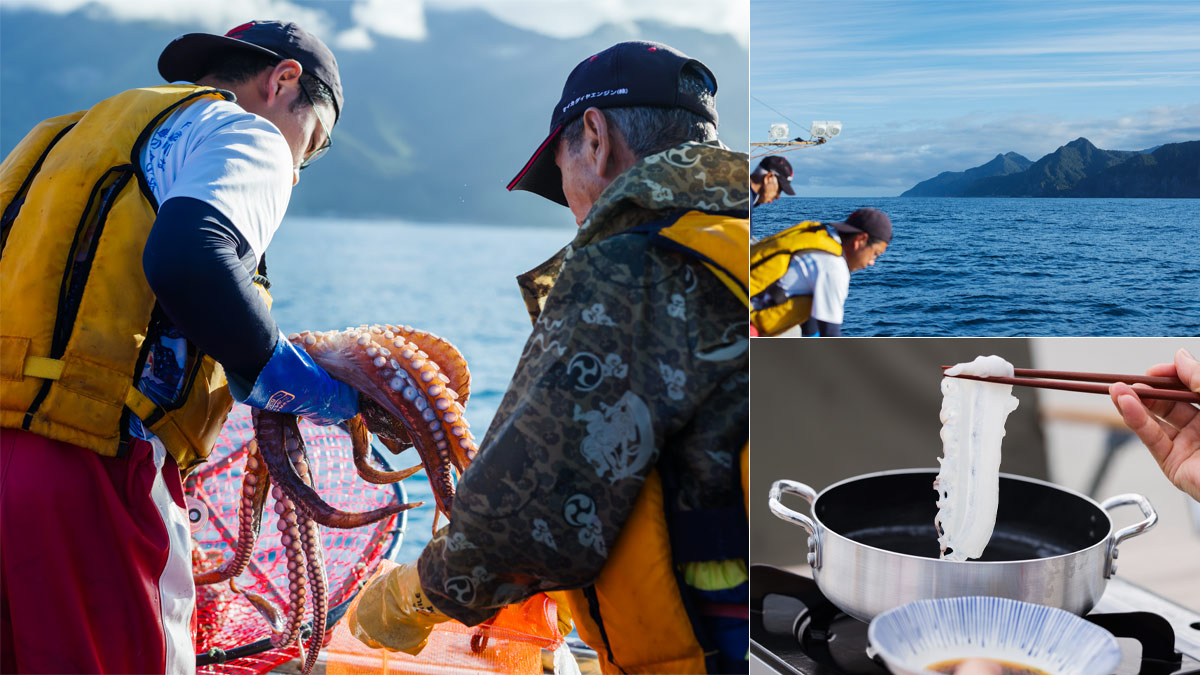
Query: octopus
{"points": [[412, 387], [968, 483]]}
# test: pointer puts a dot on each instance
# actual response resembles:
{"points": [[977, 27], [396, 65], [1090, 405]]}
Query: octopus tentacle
{"points": [[274, 431], [255, 486], [290, 538], [314, 569], [412, 387], [400, 376], [451, 361], [264, 606], [360, 439], [310, 537]]}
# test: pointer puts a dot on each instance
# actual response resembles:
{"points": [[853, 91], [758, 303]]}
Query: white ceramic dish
{"points": [[914, 636]]}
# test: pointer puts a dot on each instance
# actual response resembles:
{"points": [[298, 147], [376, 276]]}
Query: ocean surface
{"points": [[454, 280], [1000, 267]]}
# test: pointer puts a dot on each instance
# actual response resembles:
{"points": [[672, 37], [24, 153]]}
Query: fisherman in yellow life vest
{"points": [[800, 277], [131, 285], [612, 473]]}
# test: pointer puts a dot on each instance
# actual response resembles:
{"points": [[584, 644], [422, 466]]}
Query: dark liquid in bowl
{"points": [[1006, 667]]}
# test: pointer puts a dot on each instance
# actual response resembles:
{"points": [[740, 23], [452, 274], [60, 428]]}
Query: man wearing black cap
{"points": [[800, 277], [773, 174], [133, 232], [610, 474]]}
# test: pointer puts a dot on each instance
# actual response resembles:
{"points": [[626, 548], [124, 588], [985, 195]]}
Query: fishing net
{"points": [[231, 635]]}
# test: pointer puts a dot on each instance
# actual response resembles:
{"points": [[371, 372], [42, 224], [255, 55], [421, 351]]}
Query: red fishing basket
{"points": [[231, 636]]}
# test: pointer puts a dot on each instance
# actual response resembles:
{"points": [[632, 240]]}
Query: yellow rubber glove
{"points": [[566, 622], [392, 612]]}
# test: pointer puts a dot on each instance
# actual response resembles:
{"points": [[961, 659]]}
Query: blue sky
{"points": [[925, 87]]}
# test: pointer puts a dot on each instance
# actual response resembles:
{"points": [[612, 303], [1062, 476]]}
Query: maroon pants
{"points": [[83, 553]]}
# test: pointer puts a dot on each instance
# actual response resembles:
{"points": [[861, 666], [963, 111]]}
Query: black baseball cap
{"points": [[628, 74], [189, 57], [782, 169], [872, 221]]}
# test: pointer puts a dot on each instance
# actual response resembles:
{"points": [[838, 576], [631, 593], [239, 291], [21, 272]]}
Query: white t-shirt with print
{"points": [[214, 151], [238, 162]]}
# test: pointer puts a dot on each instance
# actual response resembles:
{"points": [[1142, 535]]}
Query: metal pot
{"points": [[872, 544]]}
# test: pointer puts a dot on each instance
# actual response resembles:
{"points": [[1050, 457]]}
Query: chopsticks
{"points": [[1160, 387]]}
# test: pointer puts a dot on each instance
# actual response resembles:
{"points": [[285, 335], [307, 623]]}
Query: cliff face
{"points": [[1078, 169]]}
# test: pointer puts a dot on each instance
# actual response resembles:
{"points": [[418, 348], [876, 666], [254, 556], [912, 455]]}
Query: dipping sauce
{"points": [[996, 666]]}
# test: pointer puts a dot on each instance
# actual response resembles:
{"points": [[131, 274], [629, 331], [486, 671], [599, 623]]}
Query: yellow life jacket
{"points": [[636, 614], [769, 261], [75, 307]]}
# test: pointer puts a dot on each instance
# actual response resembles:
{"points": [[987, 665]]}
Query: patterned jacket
{"points": [[638, 355]]}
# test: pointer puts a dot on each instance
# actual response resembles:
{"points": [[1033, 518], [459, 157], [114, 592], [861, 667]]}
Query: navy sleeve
{"points": [[200, 269]]}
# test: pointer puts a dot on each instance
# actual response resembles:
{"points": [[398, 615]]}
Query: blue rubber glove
{"points": [[293, 383]]}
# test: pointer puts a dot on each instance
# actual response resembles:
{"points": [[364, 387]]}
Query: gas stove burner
{"points": [[795, 629]]}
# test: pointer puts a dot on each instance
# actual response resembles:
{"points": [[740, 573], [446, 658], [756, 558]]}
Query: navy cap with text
{"points": [[189, 57], [872, 221], [626, 75]]}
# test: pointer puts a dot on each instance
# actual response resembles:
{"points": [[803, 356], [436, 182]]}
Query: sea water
{"points": [[457, 281], [999, 267]]}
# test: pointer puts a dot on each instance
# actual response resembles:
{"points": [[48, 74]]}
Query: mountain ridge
{"points": [[432, 130], [1078, 169]]}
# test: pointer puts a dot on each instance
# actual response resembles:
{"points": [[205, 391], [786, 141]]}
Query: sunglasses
{"points": [[315, 154]]}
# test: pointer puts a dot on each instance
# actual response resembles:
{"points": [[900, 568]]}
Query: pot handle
{"points": [[778, 488], [1132, 530]]}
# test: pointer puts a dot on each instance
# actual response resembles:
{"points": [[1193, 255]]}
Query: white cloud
{"points": [[357, 38], [405, 19]]}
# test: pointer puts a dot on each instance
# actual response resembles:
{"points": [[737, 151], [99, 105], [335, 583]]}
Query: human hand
{"points": [[1169, 429], [393, 613]]}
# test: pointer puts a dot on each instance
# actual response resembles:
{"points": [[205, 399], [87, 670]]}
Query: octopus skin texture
{"points": [[412, 387]]}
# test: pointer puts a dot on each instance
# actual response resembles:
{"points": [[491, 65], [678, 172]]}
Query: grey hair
{"points": [[649, 130]]}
